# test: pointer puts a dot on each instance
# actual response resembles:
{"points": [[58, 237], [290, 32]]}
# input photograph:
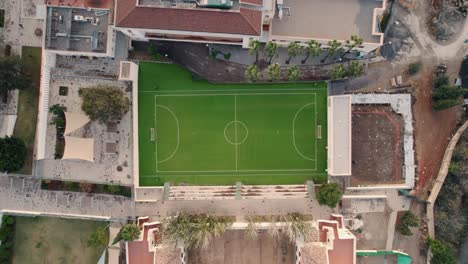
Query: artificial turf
{"points": [[217, 134]]}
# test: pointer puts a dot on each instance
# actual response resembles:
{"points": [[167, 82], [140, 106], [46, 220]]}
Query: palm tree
{"points": [[313, 49], [297, 226], [251, 230], [338, 72], [271, 50], [294, 49], [355, 69], [355, 41], [293, 73], [252, 73], [254, 48], [194, 230], [274, 71], [333, 47]]}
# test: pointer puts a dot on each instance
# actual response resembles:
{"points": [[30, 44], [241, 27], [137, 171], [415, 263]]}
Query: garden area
{"points": [[56, 240], [25, 127], [69, 186]]}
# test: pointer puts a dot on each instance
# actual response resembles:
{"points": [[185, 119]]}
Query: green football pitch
{"points": [[195, 132]]}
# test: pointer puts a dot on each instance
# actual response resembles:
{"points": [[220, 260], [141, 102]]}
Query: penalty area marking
{"points": [[294, 132], [178, 134]]}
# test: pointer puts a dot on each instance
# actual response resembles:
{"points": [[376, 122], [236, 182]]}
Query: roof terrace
{"points": [[328, 20], [77, 29]]}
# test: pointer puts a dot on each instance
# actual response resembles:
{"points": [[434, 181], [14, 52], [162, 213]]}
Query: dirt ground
{"points": [[433, 130], [374, 231], [377, 140], [237, 247]]}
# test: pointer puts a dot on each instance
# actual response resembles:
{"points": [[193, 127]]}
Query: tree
{"points": [[329, 194], [271, 50], [254, 48], [353, 42], [297, 226], [446, 96], [441, 254], [338, 72], [128, 232], [293, 73], [12, 74], [194, 230], [407, 220], [313, 49], [98, 238], [294, 49], [274, 71], [355, 69], [12, 154], [104, 103], [252, 73], [414, 68], [333, 47]]}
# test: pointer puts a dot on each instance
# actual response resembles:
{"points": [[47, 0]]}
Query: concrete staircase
{"points": [[202, 192], [274, 191]]}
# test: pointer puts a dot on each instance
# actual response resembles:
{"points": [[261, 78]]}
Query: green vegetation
{"points": [[414, 68], [407, 220], [338, 72], [298, 226], [271, 50], [153, 51], [441, 253], [329, 194], [352, 43], [58, 119], [13, 74], [12, 154], [25, 127], [70, 186], [294, 49], [193, 139], [274, 72], [313, 49], [252, 73], [99, 238], [128, 232], [104, 103], [55, 240], [333, 48], [7, 233], [355, 69], [445, 96], [194, 230], [384, 21], [254, 49], [293, 73]]}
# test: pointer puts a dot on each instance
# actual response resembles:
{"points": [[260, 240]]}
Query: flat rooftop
{"points": [[77, 29], [329, 19]]}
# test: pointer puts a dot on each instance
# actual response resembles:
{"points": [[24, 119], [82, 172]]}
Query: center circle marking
{"points": [[240, 127]]}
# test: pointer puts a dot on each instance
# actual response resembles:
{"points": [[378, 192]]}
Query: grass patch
{"points": [[55, 240], [195, 132], [25, 127]]}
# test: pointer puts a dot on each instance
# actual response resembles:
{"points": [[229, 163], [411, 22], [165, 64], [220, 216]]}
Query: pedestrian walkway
{"points": [[24, 196]]}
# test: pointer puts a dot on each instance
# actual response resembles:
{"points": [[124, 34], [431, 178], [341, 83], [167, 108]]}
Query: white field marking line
{"points": [[235, 125], [178, 133], [316, 141], [235, 122], [280, 170], [247, 90], [156, 137], [294, 132], [230, 94], [231, 175]]}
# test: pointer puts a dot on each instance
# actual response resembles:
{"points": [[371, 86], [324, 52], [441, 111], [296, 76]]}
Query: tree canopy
{"points": [[329, 194], [12, 74], [12, 154], [441, 253], [128, 232], [104, 103]]}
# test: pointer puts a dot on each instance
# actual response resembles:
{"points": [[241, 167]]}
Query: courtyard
{"points": [[195, 132]]}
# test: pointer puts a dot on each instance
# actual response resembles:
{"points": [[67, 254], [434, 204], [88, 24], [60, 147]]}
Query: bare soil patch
{"points": [[377, 140]]}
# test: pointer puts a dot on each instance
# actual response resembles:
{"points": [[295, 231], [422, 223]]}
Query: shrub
{"points": [[414, 68], [153, 51], [329, 194], [446, 96], [441, 253], [12, 154], [98, 238], [86, 187], [441, 81], [104, 103], [407, 220], [338, 72], [128, 232]]}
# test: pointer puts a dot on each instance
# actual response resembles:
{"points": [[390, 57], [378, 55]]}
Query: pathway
{"points": [[24, 196]]}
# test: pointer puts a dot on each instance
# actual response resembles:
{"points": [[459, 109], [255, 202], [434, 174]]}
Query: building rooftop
{"points": [[328, 20], [77, 29], [243, 21]]}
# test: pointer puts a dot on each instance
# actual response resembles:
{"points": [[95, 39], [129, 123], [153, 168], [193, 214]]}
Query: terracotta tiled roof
{"points": [[313, 253], [244, 22]]}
